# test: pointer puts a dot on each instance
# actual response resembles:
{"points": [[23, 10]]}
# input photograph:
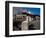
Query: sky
{"points": [[34, 11]]}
